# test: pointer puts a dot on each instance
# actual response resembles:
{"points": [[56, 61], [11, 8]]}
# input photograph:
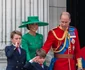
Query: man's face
{"points": [[64, 21]]}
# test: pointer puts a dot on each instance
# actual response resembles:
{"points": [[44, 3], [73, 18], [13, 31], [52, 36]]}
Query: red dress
{"points": [[52, 41]]}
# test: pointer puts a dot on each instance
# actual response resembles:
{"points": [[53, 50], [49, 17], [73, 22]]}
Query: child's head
{"points": [[16, 37], [41, 54]]}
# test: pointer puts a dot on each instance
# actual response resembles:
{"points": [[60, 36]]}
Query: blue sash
{"points": [[71, 29], [54, 59], [83, 63]]}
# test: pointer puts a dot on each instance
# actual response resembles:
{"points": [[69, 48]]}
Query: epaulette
{"points": [[54, 28], [71, 28]]}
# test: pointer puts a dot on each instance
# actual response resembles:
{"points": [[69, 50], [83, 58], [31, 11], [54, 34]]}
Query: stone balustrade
{"points": [[3, 60]]}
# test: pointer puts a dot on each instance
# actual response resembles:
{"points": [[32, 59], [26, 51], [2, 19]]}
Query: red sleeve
{"points": [[82, 52], [50, 39], [77, 45]]}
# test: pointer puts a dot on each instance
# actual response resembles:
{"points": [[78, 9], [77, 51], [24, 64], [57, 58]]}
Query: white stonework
{"points": [[13, 12], [3, 60]]}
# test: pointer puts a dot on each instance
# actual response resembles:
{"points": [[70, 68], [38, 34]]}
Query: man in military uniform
{"points": [[16, 56], [65, 44]]}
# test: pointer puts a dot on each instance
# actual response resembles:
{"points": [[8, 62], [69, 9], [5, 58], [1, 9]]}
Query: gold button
{"points": [[16, 66], [17, 61]]}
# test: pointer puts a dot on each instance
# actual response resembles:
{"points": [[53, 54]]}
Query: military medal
{"points": [[73, 47], [73, 41], [72, 35]]}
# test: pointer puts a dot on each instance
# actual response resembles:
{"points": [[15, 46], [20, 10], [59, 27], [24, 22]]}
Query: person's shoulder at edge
{"points": [[8, 46], [12, 47], [39, 34], [55, 28], [25, 34], [72, 28]]}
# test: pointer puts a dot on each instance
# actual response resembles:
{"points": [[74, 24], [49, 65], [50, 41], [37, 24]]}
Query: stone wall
{"points": [[3, 60]]}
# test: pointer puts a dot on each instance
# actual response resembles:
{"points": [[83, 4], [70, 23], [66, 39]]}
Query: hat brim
{"points": [[38, 22]]}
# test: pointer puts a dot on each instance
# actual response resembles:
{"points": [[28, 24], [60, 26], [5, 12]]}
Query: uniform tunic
{"points": [[63, 63], [31, 43]]}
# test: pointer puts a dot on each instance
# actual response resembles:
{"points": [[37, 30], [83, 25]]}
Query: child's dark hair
{"points": [[41, 53]]}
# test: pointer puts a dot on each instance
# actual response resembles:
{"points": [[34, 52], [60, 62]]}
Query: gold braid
{"points": [[65, 35], [62, 36], [79, 61]]}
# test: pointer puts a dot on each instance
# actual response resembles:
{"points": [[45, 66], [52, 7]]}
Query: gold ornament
{"points": [[79, 61], [73, 41], [65, 36]]}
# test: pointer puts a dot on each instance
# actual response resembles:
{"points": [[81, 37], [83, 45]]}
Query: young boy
{"points": [[16, 56], [37, 62]]}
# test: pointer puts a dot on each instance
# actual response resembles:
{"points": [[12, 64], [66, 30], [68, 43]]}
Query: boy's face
{"points": [[16, 39], [40, 60]]}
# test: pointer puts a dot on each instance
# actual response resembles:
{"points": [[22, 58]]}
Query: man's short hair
{"points": [[65, 13]]}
